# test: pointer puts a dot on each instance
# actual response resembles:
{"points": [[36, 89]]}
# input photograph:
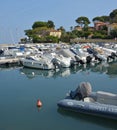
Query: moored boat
{"points": [[83, 100], [38, 62], [61, 61]]}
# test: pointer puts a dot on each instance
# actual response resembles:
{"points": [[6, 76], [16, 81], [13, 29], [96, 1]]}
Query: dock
{"points": [[9, 61]]}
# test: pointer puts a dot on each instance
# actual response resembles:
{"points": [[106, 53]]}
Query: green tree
{"points": [[97, 19], [38, 24], [113, 33], [50, 24], [40, 32], [83, 21], [113, 16], [62, 29], [86, 34], [65, 37], [106, 18], [28, 32], [102, 34], [101, 19], [71, 28], [52, 39]]}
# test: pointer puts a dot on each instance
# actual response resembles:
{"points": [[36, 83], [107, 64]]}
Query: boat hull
{"points": [[37, 65], [97, 109]]}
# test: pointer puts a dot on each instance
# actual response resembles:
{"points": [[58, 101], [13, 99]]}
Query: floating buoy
{"points": [[39, 103]]}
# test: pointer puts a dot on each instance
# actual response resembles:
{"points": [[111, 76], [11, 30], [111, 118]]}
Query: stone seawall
{"points": [[94, 40]]}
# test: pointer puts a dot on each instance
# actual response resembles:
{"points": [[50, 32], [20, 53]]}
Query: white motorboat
{"points": [[81, 55], [38, 62], [61, 61]]}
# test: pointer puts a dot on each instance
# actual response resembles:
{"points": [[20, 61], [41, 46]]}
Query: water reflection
{"points": [[32, 73], [112, 70], [106, 68], [64, 72], [103, 122], [109, 69], [9, 67]]}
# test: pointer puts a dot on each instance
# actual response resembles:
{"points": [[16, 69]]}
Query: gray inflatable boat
{"points": [[83, 100]]}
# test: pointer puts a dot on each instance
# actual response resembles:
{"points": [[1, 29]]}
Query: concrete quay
{"points": [[9, 60]]}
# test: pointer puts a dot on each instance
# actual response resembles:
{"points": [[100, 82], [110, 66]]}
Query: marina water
{"points": [[20, 88]]}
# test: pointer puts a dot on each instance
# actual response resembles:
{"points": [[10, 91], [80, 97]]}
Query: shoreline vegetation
{"points": [[105, 27]]}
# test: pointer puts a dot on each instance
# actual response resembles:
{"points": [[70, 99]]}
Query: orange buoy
{"points": [[39, 103]]}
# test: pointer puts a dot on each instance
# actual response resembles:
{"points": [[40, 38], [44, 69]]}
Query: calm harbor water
{"points": [[21, 87]]}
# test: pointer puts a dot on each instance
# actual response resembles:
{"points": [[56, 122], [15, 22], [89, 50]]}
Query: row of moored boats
{"points": [[53, 56]]}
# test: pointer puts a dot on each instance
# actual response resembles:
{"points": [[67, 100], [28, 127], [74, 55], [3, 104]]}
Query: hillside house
{"points": [[56, 33], [99, 25]]}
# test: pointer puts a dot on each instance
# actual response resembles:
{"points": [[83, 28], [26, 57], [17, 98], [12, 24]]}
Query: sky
{"points": [[19, 15]]}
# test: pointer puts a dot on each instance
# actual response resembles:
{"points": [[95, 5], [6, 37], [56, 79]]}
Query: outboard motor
{"points": [[97, 58], [82, 91], [79, 60], [88, 59], [113, 54], [1, 52], [56, 63]]}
